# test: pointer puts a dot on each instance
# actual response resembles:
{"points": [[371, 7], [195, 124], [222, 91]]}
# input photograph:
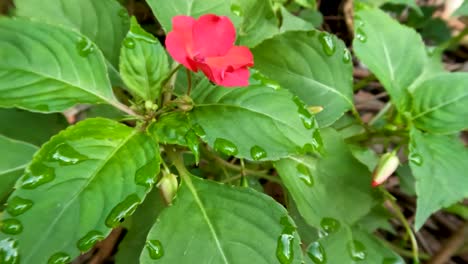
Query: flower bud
{"points": [[168, 186], [387, 165]]}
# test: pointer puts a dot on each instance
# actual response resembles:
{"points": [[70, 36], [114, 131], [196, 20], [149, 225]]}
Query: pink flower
{"points": [[207, 44]]}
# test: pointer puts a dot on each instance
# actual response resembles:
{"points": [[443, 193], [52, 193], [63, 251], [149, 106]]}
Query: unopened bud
{"points": [[168, 186], [315, 109], [388, 163], [150, 106]]}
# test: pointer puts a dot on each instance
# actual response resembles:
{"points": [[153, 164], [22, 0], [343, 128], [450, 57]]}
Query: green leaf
{"points": [[439, 103], [15, 157], [138, 227], [256, 122], [105, 22], [333, 189], [397, 64], [165, 10], [48, 68], [290, 22], [439, 166], [143, 63], [313, 65], [213, 223], [30, 127], [87, 178], [462, 10], [410, 3], [348, 245]]}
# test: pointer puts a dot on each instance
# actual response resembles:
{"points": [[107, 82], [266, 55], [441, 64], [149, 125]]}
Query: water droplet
{"points": [[141, 35], [129, 43], [193, 143], [357, 251], [328, 43], [360, 35], [416, 158], [285, 246], [17, 205], [391, 261], [304, 174], [199, 130], [11, 226], [67, 155], [146, 174], [317, 253], [59, 258], [85, 47], [258, 153], [124, 209], [329, 225], [225, 146], [265, 81], [346, 55], [9, 251], [37, 174], [236, 10], [89, 240], [155, 249], [317, 141], [304, 114]]}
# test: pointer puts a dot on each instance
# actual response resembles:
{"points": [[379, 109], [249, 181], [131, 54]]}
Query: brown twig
{"points": [[451, 246]]}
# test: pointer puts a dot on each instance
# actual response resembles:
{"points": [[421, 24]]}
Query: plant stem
{"points": [[381, 113], [178, 162], [169, 83], [123, 108], [189, 79], [247, 172], [404, 221]]}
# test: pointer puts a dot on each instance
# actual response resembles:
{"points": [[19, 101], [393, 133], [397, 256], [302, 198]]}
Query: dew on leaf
{"points": [[328, 43], [84, 47], [124, 209], [9, 251], [265, 81], [141, 36], [89, 240], [285, 245], [11, 226], [36, 175], [356, 250], [199, 130], [258, 153], [146, 175], [236, 10], [416, 159], [304, 114], [317, 141], [360, 35], [317, 253], [60, 258], [129, 43], [304, 174], [193, 143], [225, 146], [17, 205], [346, 55], [67, 155], [329, 225], [155, 249]]}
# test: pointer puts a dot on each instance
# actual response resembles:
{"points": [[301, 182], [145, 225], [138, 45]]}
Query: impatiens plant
{"points": [[178, 142]]}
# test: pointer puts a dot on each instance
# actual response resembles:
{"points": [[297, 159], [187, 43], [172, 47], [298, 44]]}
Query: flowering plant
{"points": [[225, 132]]}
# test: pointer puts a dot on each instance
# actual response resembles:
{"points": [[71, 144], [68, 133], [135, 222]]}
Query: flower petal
{"points": [[213, 35], [179, 41], [237, 57], [238, 77]]}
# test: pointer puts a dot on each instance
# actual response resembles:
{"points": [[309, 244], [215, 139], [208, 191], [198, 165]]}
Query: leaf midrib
{"points": [[45, 235]]}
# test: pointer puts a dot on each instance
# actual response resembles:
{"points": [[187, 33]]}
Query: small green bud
{"points": [[387, 165], [168, 186]]}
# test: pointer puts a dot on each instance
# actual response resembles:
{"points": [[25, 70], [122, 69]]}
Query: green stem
{"points": [[123, 108], [189, 79], [248, 172], [404, 221], [381, 113], [169, 83]]}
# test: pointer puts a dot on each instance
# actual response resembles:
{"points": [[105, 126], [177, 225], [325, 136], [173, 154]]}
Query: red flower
{"points": [[207, 44]]}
